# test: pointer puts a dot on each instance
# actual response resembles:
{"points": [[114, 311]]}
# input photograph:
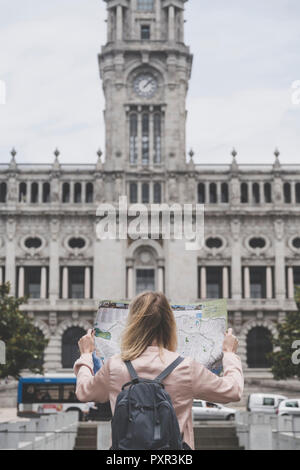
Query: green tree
{"points": [[288, 332], [24, 343]]}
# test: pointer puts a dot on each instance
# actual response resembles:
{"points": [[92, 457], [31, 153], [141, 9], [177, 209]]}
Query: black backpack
{"points": [[144, 417]]}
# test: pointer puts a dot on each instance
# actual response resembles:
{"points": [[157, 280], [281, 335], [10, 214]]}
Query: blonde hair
{"points": [[150, 320]]}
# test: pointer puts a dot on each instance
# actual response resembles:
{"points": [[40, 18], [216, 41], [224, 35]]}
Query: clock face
{"points": [[145, 85]]}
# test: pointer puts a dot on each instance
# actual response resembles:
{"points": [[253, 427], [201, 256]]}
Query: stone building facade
{"points": [[48, 244]]}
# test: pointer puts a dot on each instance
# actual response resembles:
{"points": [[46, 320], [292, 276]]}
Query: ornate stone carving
{"points": [[54, 229], [52, 322], [235, 229], [237, 322], [12, 194], [279, 229], [277, 190], [235, 191], [191, 189], [118, 189], [55, 190], [11, 228], [173, 190]]}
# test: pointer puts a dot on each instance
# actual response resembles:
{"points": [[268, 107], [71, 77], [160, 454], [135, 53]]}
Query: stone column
{"points": [[40, 192], [151, 139], [151, 192], [181, 36], [250, 193], [225, 283], [261, 192], [119, 23], [130, 287], [269, 283], [279, 248], [247, 282], [65, 283], [10, 258], [158, 19], [236, 265], [52, 356], [87, 283], [133, 22], [291, 293], [160, 279], [54, 272], [207, 195], [21, 283], [1, 275], [43, 282], [203, 283], [171, 23], [140, 138], [72, 192], [219, 196], [293, 192]]}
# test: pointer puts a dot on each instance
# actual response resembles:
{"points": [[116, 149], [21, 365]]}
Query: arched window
{"points": [[133, 190], [256, 193], [213, 193], [287, 193], [145, 193], [146, 276], [23, 192], [3, 192], [34, 193], [224, 193], [78, 193], [259, 344], [46, 192], [268, 193], [145, 139], [201, 193], [157, 138], [157, 193], [70, 350], [244, 193], [297, 189], [89, 192], [133, 142], [66, 192]]}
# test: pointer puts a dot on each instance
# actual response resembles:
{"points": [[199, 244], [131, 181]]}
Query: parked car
{"points": [[204, 410], [264, 402], [289, 407]]}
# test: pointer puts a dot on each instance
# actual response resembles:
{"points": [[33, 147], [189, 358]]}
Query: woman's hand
{"points": [[230, 343], [87, 343]]}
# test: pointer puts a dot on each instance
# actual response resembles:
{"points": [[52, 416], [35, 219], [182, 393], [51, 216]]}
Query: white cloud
{"points": [[246, 59]]}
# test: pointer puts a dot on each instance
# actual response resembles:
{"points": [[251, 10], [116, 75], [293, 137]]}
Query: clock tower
{"points": [[145, 67]]}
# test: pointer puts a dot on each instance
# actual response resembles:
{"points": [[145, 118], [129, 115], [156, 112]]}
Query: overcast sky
{"points": [[246, 58]]}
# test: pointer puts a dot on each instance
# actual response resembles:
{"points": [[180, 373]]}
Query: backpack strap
{"points": [[131, 371], [169, 369]]}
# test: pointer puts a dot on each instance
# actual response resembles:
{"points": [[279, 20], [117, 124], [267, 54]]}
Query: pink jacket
{"points": [[190, 380]]}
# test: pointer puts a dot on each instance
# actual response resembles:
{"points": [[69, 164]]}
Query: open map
{"points": [[200, 329]]}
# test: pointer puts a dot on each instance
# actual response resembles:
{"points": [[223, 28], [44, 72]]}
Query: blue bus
{"points": [[43, 395]]}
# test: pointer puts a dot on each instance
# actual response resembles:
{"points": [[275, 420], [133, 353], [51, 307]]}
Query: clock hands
{"points": [[148, 83]]}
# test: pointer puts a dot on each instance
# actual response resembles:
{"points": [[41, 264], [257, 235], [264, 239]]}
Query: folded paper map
{"points": [[200, 328]]}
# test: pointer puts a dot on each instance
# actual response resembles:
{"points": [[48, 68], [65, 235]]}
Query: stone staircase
{"points": [[208, 436], [86, 437], [216, 436]]}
